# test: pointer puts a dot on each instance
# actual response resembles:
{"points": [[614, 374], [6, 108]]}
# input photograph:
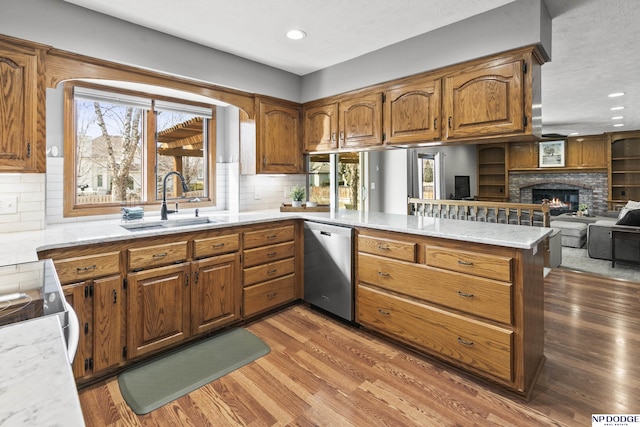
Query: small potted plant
{"points": [[297, 196], [584, 210]]}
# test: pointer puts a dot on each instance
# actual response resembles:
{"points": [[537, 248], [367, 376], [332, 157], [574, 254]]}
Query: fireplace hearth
{"points": [[560, 200]]}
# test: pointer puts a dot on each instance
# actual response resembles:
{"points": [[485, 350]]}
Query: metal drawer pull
{"points": [[271, 295], [218, 245], [272, 272], [383, 312], [160, 255], [93, 267], [465, 342], [272, 254], [383, 248], [463, 294], [381, 274], [465, 262], [271, 236]]}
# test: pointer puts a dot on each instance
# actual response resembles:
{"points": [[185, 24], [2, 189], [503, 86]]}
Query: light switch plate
{"points": [[8, 205]]}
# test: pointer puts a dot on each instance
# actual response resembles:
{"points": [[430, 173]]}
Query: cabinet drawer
{"points": [[268, 294], [253, 239], [491, 266], [215, 245], [269, 271], [269, 253], [475, 295], [455, 338], [87, 267], [396, 249], [154, 256]]}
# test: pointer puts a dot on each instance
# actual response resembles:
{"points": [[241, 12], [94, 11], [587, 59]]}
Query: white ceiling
{"points": [[595, 43]]}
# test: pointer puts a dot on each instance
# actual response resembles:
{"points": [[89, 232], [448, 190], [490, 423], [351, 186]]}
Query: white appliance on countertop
{"points": [[32, 289]]}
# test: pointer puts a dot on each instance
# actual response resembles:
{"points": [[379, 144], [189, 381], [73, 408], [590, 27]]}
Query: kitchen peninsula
{"points": [[468, 293]]}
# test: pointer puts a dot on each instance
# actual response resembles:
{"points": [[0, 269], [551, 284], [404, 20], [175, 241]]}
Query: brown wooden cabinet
{"points": [[586, 152], [215, 292], [94, 288], [269, 268], [486, 99], [321, 128], [278, 140], [523, 155], [412, 112], [465, 303], [493, 175], [100, 307], [624, 168], [360, 121], [22, 102], [159, 311]]}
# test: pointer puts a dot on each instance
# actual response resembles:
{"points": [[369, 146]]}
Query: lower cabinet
{"points": [[215, 292], [99, 305], [158, 308], [478, 307]]}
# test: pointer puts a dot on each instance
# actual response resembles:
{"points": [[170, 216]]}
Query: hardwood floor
{"points": [[323, 373]]}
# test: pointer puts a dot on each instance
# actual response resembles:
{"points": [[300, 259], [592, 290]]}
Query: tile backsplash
{"points": [[27, 191]]}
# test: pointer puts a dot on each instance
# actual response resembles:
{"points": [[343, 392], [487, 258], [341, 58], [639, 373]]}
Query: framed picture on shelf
{"points": [[551, 154]]}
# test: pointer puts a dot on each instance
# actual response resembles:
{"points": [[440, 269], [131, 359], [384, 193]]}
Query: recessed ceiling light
{"points": [[296, 34], [574, 134], [617, 125], [617, 108], [617, 118], [615, 95]]}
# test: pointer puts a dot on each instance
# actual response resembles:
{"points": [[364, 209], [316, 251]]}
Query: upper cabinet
{"points": [[22, 109], [278, 148], [492, 99], [486, 99], [588, 152], [412, 112], [321, 128], [360, 121]]}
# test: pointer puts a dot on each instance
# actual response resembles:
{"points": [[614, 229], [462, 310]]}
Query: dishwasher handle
{"points": [[325, 233]]}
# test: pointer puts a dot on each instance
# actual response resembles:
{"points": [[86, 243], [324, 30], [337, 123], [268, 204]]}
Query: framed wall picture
{"points": [[551, 154]]}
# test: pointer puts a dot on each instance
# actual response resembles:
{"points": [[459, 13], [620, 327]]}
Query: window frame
{"points": [[72, 209]]}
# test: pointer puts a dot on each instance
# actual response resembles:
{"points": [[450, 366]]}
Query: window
{"points": [[123, 145], [335, 180]]}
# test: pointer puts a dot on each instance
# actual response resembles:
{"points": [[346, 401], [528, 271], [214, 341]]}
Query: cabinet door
{"points": [[360, 121], [523, 155], [215, 292], [586, 152], [77, 295], [278, 146], [412, 113], [108, 320], [100, 307], [485, 100], [19, 107], [320, 128], [158, 309]]}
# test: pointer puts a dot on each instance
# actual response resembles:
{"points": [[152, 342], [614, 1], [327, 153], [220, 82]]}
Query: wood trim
{"points": [[63, 66]]}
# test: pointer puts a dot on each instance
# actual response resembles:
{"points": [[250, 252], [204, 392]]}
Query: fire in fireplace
{"points": [[560, 200]]}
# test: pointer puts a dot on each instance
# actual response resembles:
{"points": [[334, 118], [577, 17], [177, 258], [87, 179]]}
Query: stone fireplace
{"points": [[591, 187]]}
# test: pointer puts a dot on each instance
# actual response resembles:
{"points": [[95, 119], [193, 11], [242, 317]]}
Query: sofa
{"points": [[599, 235]]}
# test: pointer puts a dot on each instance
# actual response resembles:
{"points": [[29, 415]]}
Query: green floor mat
{"points": [[155, 383]]}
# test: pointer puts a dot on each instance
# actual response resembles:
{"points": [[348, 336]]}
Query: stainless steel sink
{"points": [[172, 223]]}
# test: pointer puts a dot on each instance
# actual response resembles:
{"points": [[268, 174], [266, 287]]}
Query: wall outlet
{"points": [[287, 192], [8, 205], [256, 194]]}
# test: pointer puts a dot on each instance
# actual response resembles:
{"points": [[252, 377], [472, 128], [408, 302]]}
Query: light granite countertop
{"points": [[36, 382], [23, 246]]}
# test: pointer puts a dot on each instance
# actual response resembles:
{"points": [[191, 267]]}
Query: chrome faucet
{"points": [[163, 209]]}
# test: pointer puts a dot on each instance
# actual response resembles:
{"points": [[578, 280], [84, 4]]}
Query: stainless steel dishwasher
{"points": [[328, 277]]}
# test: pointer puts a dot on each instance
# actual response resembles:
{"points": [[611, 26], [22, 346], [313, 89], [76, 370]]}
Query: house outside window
{"points": [[130, 141]]}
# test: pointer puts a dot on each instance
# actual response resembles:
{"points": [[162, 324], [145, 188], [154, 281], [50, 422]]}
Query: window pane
{"points": [[349, 181], [181, 146], [320, 179], [108, 152]]}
